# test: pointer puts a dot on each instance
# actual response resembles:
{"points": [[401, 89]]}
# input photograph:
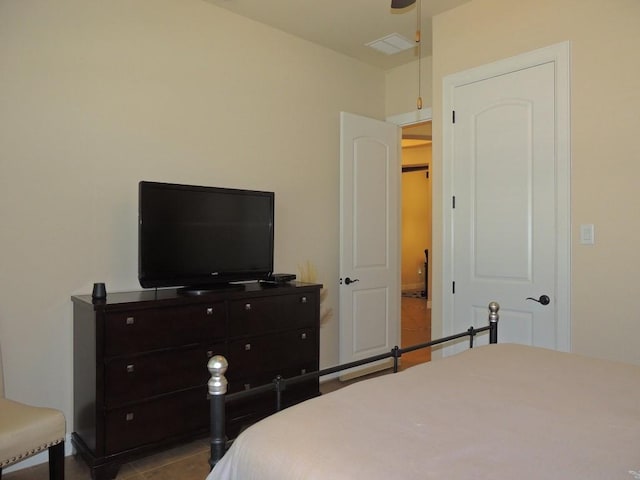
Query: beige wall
{"points": [[401, 92], [95, 96], [605, 39]]}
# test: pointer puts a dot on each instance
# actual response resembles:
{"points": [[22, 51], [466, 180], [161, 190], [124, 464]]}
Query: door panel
{"points": [[372, 327], [369, 243], [505, 203], [509, 173], [370, 194]]}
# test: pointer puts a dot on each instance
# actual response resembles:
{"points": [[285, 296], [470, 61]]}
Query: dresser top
{"points": [[174, 296]]}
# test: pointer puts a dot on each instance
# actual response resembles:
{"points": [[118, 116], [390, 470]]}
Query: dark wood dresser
{"points": [[140, 363]]}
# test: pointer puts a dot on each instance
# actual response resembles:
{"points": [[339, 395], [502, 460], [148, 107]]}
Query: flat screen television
{"points": [[201, 237]]}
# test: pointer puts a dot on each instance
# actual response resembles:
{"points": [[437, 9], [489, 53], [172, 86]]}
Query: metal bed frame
{"points": [[218, 365]]}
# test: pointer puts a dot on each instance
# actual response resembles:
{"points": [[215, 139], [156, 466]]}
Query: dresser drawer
{"points": [[254, 316], [151, 329], [254, 356], [157, 420], [128, 379], [242, 413], [258, 360], [299, 347], [302, 310]]}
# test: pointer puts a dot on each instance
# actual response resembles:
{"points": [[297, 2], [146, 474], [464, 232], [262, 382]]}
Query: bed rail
{"points": [[218, 365]]}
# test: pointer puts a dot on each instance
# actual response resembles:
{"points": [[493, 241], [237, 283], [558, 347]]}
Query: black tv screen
{"points": [[197, 236]]}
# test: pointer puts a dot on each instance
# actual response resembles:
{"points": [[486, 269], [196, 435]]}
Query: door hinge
{"points": [[453, 116], [453, 202], [453, 287]]}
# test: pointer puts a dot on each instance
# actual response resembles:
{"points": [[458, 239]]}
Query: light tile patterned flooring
{"points": [[190, 461]]}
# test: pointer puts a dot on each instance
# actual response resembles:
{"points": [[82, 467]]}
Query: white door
{"points": [[369, 237], [506, 207]]}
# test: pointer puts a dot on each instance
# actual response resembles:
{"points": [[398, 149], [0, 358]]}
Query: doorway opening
{"points": [[416, 240]]}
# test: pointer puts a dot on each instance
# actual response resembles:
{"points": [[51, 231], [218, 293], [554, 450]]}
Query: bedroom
{"points": [[96, 96]]}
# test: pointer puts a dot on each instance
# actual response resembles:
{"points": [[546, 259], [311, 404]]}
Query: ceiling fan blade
{"points": [[401, 3]]}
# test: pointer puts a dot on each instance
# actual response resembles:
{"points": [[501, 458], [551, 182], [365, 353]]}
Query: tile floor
{"points": [[416, 328], [190, 461], [186, 462]]}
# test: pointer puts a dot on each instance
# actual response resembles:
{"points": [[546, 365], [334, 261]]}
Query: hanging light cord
{"points": [[419, 43]]}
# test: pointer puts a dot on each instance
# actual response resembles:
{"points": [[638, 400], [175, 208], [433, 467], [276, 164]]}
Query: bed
{"points": [[500, 411]]}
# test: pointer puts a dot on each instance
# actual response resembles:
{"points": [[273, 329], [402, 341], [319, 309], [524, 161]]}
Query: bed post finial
{"points": [[494, 307], [217, 366], [217, 385]]}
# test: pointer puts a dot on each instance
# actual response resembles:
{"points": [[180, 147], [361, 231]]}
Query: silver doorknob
{"points": [[543, 300]]}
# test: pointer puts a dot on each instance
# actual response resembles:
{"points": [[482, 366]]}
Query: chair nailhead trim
{"points": [[29, 453]]}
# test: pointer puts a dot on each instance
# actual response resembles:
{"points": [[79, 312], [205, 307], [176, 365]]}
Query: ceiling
{"points": [[346, 26]]}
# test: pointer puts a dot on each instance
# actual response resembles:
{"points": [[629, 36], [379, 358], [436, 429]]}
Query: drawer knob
{"points": [[209, 310], [303, 300], [131, 320], [303, 371], [247, 306], [128, 417], [303, 336], [247, 386], [209, 353], [247, 346], [131, 368]]}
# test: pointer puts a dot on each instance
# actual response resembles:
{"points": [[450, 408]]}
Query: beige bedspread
{"points": [[499, 411]]}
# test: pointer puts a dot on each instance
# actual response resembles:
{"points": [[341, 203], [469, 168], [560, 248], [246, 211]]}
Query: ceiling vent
{"points": [[391, 44]]}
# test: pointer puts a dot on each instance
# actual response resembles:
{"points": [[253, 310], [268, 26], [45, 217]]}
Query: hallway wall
{"points": [[416, 217]]}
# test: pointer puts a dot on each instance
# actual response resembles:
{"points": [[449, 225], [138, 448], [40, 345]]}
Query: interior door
{"points": [[506, 213], [369, 237]]}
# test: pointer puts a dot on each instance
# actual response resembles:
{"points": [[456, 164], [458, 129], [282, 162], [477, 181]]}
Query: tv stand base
{"points": [[200, 290]]}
